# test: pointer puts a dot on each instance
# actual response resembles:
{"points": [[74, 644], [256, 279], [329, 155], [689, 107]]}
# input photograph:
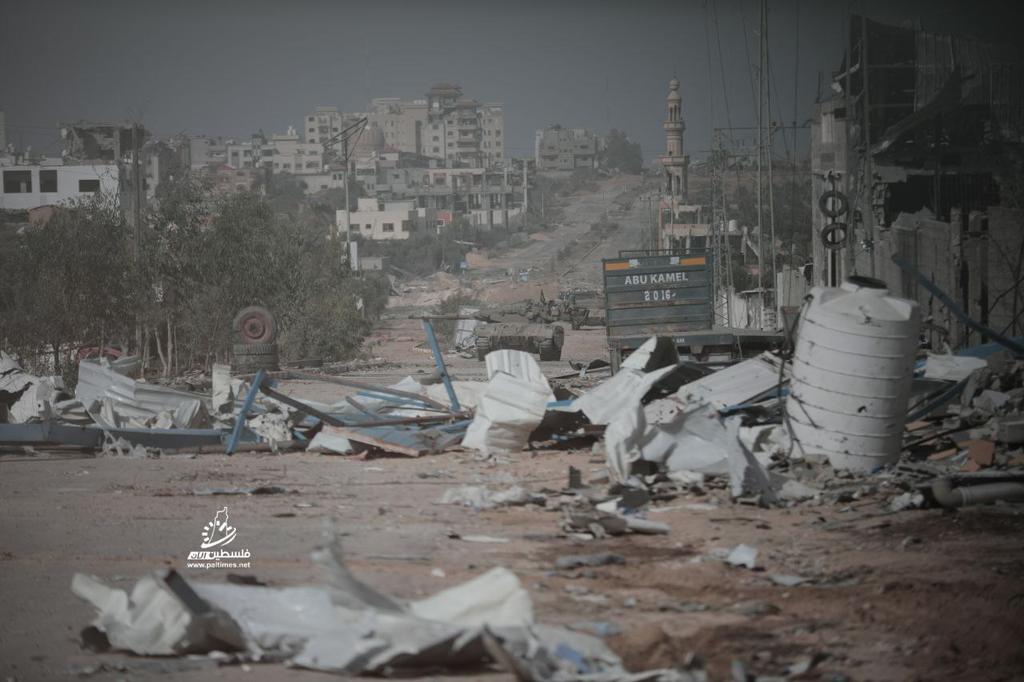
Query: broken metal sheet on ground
{"points": [[465, 328], [951, 367], [135, 400], [511, 407], [736, 384], [347, 627], [654, 353], [516, 363], [223, 401], [410, 440], [50, 432], [622, 392], [28, 397], [698, 441], [468, 392], [55, 433], [162, 616], [495, 598], [327, 441]]}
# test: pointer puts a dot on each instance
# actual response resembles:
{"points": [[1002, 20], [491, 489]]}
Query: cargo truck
{"points": [[661, 293]]}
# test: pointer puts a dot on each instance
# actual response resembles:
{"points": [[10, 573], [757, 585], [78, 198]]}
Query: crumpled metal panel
{"points": [[129, 398]]}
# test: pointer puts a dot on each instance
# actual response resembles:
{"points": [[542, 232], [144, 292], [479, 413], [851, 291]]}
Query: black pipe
{"points": [[965, 495]]}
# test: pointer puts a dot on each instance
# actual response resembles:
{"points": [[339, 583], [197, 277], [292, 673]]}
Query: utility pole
{"points": [[868, 184], [355, 130], [137, 218], [348, 205], [526, 191], [760, 158]]}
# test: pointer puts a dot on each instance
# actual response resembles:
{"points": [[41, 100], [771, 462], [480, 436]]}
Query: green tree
{"points": [[71, 282], [621, 154]]}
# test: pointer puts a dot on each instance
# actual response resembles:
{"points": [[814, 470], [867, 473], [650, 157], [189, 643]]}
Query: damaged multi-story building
{"points": [[917, 157]]}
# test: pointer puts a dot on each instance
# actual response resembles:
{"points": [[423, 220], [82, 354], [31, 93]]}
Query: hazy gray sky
{"points": [[231, 68]]}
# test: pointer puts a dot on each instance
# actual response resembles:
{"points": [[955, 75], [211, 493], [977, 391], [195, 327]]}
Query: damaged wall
{"points": [[920, 142]]}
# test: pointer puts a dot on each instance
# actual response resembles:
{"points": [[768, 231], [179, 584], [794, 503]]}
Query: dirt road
{"points": [[914, 595]]}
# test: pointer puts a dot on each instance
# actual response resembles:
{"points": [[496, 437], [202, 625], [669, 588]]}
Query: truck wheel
{"points": [[547, 350], [483, 347], [254, 324], [249, 364]]}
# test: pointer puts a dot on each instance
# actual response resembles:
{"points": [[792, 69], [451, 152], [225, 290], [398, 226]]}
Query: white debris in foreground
{"points": [[349, 628]]}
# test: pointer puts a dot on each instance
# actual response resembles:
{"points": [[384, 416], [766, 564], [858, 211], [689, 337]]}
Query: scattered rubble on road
{"points": [[750, 434]]}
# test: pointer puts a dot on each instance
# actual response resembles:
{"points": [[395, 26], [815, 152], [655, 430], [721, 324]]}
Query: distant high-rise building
{"points": [[322, 124], [460, 132]]}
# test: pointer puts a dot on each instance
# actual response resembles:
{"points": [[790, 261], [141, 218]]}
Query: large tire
{"points": [[833, 204], [834, 236], [548, 350], [249, 364], [483, 347], [254, 324], [252, 357], [254, 349]]}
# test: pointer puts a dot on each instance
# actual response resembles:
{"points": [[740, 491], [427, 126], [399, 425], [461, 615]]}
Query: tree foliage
{"points": [[621, 154], [74, 281]]}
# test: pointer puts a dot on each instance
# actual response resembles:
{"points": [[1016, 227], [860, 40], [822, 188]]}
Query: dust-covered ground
{"points": [[914, 595]]}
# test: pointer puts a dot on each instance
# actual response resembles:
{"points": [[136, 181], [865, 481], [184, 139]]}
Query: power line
{"points": [[754, 98], [711, 80], [721, 66]]}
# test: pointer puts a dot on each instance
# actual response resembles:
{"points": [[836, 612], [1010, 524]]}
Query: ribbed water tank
{"points": [[852, 372]]}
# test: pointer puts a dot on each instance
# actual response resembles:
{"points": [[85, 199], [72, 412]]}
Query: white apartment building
{"points": [[285, 153], [374, 219], [44, 184], [322, 124]]}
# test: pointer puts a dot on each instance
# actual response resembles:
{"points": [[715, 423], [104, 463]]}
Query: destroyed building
{"points": [[916, 157]]}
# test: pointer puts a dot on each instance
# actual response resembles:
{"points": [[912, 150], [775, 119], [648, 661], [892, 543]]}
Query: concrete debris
{"points": [[589, 560], [906, 501], [485, 539], [991, 401], [1010, 429], [787, 580], [742, 555], [255, 490], [116, 446], [272, 427], [480, 497]]}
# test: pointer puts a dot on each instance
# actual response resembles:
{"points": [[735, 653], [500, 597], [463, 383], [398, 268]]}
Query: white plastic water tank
{"points": [[852, 372]]}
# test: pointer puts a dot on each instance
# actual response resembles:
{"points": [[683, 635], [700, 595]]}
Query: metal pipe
{"points": [[965, 495]]}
